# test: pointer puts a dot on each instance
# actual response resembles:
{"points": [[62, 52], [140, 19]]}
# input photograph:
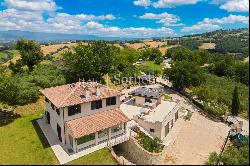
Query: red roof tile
{"points": [[72, 94], [96, 122]]}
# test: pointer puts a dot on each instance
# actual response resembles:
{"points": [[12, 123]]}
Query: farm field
{"points": [[52, 48], [207, 46], [163, 49]]}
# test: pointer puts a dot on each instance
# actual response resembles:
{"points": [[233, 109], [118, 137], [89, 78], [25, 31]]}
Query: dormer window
{"points": [[96, 104], [111, 101]]}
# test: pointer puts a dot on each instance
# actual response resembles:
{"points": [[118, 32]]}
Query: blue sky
{"points": [[124, 18]]}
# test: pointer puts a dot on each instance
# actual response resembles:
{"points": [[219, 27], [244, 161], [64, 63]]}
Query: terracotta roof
{"points": [[96, 122], [72, 94]]}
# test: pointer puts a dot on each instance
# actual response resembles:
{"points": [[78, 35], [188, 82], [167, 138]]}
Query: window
{"points": [[116, 128], [96, 104], [52, 106], [85, 139], [148, 100], [58, 111], [176, 116], [46, 99], [72, 110], [103, 133], [111, 101], [152, 130], [167, 129], [172, 123]]}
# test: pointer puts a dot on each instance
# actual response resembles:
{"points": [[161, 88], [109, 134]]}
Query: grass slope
{"points": [[22, 142], [152, 65], [225, 87]]}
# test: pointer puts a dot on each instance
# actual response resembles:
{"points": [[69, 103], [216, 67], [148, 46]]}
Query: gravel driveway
{"points": [[196, 139]]}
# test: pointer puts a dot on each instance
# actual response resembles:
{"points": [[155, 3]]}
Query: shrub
{"points": [[149, 144], [17, 91], [231, 156], [216, 110], [47, 75]]}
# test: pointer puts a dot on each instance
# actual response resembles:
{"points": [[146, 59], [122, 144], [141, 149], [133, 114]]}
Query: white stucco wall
{"points": [[139, 100], [56, 119], [159, 127], [166, 120], [86, 109]]}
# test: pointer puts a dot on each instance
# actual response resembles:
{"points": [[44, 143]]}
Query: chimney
{"points": [[86, 93], [98, 91]]}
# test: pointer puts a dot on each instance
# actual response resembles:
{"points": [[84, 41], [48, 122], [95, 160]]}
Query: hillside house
{"points": [[84, 114], [151, 112]]}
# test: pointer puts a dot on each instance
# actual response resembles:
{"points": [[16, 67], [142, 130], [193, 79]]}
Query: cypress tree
{"points": [[235, 108]]}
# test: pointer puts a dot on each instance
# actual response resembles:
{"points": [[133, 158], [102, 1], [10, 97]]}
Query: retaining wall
{"points": [[136, 154]]}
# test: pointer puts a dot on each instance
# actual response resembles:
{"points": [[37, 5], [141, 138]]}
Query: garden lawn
{"points": [[22, 142], [152, 65], [100, 157]]}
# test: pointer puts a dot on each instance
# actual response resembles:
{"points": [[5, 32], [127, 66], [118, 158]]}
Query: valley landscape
{"points": [[84, 89]]}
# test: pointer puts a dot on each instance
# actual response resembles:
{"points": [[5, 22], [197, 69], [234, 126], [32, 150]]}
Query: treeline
{"points": [[227, 41], [232, 44], [23, 88], [190, 70], [21, 80], [216, 63]]}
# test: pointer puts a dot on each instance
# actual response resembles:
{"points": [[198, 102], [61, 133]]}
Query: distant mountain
{"points": [[13, 35]]}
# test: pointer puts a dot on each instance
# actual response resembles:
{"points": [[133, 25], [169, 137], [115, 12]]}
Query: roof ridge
{"points": [[77, 86]]}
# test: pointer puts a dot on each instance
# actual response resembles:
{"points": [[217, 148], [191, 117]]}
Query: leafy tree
{"points": [[23, 88], [231, 156], [190, 43], [184, 74], [154, 53], [180, 54], [125, 57], [88, 62], [47, 75], [131, 72], [30, 52], [18, 91], [205, 93], [221, 68], [145, 54], [242, 72], [159, 59], [16, 68], [151, 54], [235, 108], [4, 73]]}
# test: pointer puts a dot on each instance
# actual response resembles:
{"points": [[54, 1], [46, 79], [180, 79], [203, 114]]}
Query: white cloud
{"points": [[141, 32], [144, 3], [233, 5], [32, 5], [164, 18], [173, 3], [13, 19], [209, 24], [238, 6]]}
